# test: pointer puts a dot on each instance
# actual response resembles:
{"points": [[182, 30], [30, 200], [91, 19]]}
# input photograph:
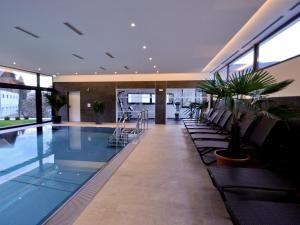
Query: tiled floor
{"points": [[161, 183]]}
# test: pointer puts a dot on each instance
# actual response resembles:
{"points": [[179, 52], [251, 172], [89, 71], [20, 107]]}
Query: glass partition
{"points": [[243, 62], [46, 81], [281, 46], [17, 107], [12, 76]]}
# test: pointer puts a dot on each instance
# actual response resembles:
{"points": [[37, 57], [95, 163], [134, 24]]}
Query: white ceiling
{"points": [[181, 36]]}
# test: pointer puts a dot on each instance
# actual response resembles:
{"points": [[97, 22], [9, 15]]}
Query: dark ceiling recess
{"points": [[73, 28], [126, 67], [102, 68], [109, 55], [295, 6], [27, 32], [78, 56]]}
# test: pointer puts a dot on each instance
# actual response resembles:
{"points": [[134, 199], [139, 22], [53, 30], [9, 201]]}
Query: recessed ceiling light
{"points": [[39, 69], [116, 72], [95, 73], [157, 71], [53, 75], [14, 63], [132, 25], [144, 47], [154, 66], [136, 72], [76, 73], [150, 59]]}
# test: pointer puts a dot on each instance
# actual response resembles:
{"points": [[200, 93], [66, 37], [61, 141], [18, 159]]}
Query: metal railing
{"points": [[122, 135]]}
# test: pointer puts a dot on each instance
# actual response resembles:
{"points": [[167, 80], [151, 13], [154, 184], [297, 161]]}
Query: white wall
{"points": [[287, 70]]}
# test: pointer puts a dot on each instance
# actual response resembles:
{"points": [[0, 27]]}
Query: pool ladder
{"points": [[122, 135]]}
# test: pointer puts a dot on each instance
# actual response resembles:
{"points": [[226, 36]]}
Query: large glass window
{"points": [[17, 107], [12, 76], [139, 98], [46, 81], [281, 46], [46, 108], [223, 73], [243, 62]]}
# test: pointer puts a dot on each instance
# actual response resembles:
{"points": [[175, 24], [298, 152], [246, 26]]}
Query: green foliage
{"points": [[56, 101], [98, 107], [249, 89]]}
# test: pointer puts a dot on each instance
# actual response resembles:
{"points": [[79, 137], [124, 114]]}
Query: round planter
{"points": [[56, 119], [229, 158], [98, 120]]}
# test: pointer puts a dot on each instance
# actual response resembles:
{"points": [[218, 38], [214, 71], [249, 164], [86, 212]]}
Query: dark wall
{"points": [[106, 92]]}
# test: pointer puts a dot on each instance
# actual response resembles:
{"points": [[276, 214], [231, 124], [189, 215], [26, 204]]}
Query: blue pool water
{"points": [[40, 168]]}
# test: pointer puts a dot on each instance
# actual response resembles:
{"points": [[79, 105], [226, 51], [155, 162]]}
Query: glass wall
{"points": [[245, 61], [46, 108], [18, 93], [12, 76], [46, 81], [17, 107], [281, 46]]}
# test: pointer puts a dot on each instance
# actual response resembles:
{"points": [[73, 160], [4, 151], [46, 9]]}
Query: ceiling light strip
{"points": [[27, 32], [70, 26], [109, 55], [78, 56]]}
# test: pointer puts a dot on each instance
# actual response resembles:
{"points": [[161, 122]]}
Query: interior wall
{"points": [[287, 70], [106, 92]]}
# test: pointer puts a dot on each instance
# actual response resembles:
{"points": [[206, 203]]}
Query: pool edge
{"points": [[67, 213]]}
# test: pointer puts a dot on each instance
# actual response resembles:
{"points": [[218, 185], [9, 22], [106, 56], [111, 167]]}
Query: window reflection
{"points": [[243, 62]]}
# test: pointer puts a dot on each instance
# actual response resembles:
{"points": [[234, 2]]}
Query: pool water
{"points": [[40, 168]]}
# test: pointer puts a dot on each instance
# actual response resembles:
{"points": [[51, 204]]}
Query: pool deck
{"points": [[163, 182]]}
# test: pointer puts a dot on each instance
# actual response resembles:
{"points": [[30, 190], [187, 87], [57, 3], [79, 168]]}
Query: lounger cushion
{"points": [[249, 177], [264, 213], [211, 144], [209, 136]]}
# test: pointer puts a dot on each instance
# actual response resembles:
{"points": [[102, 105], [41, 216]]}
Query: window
{"points": [[11, 76], [139, 98], [46, 81], [46, 108], [243, 62], [223, 73], [22, 106], [281, 46]]}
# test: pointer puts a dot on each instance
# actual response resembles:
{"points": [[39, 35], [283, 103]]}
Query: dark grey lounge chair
{"points": [[263, 213]]}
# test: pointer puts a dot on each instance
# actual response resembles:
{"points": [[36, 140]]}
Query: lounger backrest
{"points": [[246, 123], [218, 117], [212, 117], [262, 130], [209, 112], [223, 121]]}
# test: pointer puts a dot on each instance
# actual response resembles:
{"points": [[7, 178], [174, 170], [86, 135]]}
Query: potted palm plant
{"points": [[56, 101], [98, 108], [246, 89]]}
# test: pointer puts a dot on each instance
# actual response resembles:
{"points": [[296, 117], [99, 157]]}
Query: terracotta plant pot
{"points": [[230, 158]]}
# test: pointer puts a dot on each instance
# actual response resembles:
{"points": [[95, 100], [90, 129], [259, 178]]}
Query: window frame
{"points": [[38, 96], [255, 46]]}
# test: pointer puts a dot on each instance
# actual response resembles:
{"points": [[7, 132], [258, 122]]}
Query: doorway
{"points": [[74, 106]]}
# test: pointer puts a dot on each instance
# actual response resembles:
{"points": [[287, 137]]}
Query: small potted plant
{"points": [[246, 89], [17, 118], [98, 108], [6, 118], [56, 101]]}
